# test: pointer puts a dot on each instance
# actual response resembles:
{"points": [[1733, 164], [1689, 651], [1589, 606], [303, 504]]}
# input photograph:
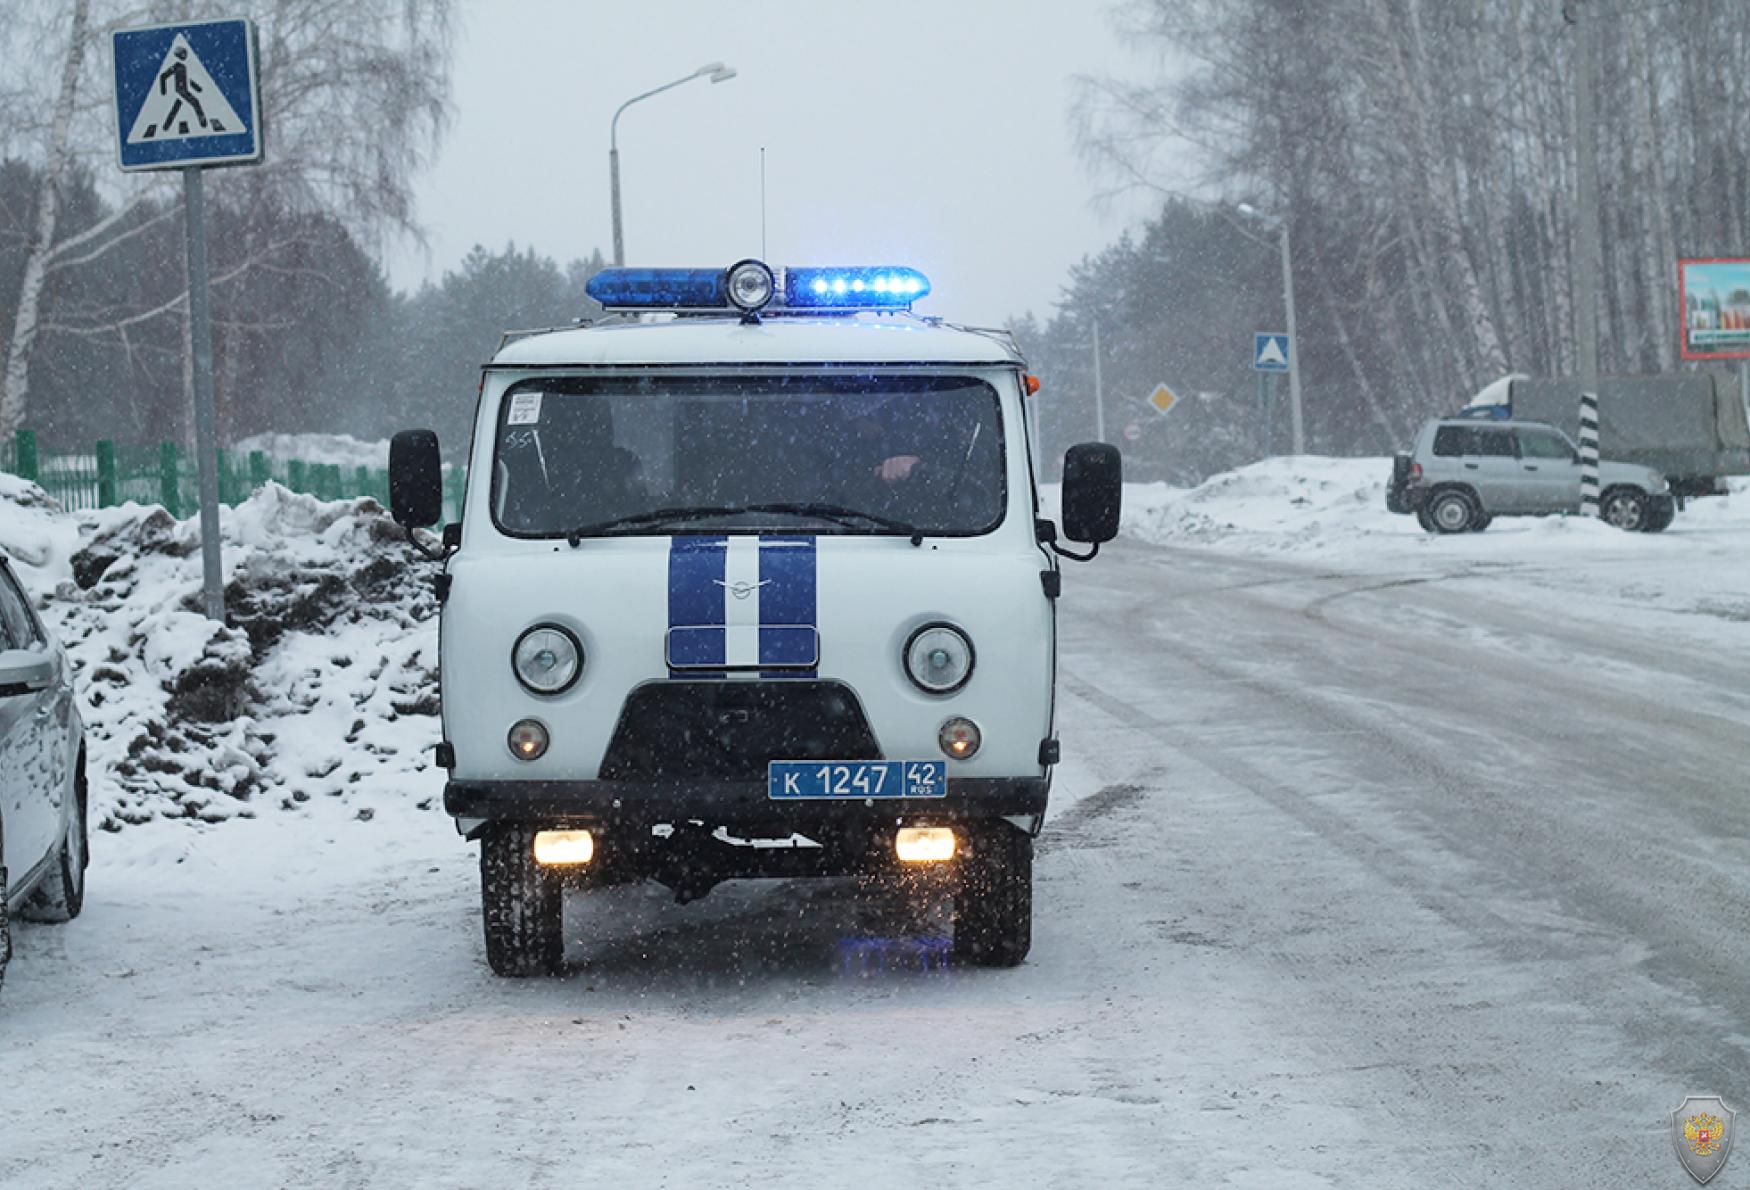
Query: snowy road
{"points": [[1379, 878]]}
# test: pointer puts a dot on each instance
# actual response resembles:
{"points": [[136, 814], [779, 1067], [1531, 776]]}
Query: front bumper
{"points": [[642, 804]]}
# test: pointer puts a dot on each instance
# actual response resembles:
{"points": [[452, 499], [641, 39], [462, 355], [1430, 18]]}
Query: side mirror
{"points": [[25, 671], [1093, 491], [416, 479]]}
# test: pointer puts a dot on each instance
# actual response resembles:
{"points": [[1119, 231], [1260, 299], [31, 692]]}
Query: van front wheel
{"points": [[993, 905], [521, 904]]}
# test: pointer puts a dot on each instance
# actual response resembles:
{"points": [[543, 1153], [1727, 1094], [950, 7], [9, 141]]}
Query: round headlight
{"points": [[547, 659], [750, 285], [938, 658]]}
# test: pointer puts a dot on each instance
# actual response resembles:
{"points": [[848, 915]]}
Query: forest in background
{"points": [[1424, 154]]}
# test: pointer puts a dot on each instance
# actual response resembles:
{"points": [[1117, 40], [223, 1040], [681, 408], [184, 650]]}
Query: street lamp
{"points": [[715, 71], [1280, 223]]}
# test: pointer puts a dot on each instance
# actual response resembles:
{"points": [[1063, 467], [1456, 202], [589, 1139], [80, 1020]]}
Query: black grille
{"points": [[729, 730]]}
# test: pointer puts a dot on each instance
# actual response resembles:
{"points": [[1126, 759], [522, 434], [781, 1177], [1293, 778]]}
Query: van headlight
{"points": [[938, 658], [547, 659]]}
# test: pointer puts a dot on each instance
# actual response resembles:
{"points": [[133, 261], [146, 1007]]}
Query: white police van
{"points": [[757, 587]]}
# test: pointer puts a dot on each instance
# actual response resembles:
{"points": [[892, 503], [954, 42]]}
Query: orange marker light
{"points": [[1032, 384]]}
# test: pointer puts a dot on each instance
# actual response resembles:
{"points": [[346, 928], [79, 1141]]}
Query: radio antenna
{"points": [[762, 202]]}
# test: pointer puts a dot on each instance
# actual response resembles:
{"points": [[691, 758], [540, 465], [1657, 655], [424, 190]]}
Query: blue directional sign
{"points": [[186, 95], [1269, 352]]}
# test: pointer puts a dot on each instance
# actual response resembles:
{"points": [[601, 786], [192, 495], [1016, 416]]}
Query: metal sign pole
{"points": [[1099, 390], [1263, 413], [205, 423]]}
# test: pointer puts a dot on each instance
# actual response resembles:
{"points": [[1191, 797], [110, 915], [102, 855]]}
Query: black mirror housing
{"points": [[1093, 492], [416, 479]]}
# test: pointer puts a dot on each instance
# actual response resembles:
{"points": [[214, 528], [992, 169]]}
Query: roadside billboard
{"points": [[1715, 297]]}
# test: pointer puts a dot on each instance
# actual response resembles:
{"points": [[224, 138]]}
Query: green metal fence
{"points": [[110, 474]]}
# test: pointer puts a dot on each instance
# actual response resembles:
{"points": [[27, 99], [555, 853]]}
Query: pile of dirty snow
{"points": [[322, 685]]}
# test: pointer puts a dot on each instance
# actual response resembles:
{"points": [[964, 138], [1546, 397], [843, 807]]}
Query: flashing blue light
{"points": [[659, 289], [856, 288]]}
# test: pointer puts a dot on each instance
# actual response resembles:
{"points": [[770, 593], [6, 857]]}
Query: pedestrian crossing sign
{"points": [[186, 94], [1269, 352]]}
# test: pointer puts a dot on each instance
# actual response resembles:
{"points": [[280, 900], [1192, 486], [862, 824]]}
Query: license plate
{"points": [[789, 780]]}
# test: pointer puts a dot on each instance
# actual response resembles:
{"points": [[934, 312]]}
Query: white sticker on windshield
{"points": [[525, 410]]}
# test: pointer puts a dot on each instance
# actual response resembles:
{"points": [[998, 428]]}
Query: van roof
{"points": [[897, 338]]}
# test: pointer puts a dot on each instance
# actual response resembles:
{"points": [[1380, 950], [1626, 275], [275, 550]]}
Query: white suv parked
{"points": [[1466, 471]]}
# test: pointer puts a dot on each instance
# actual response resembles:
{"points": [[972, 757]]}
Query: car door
{"points": [[1491, 466], [1550, 470], [30, 795]]}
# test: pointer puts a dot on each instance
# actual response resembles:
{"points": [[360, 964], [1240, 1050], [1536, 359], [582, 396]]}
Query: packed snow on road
{"points": [[1372, 855]]}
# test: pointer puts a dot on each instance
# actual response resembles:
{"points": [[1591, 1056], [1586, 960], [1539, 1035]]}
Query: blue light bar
{"points": [[861, 288], [659, 289]]}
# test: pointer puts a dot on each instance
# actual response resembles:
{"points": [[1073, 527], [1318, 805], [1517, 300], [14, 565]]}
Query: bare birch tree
{"points": [[1425, 152], [355, 98]]}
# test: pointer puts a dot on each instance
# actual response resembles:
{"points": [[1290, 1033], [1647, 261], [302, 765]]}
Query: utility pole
{"points": [[1099, 391], [1298, 426], [1589, 263]]}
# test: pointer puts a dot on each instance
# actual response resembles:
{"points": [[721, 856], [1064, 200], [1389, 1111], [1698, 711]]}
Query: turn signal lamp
{"points": [[960, 738], [528, 739], [557, 848], [924, 844]]}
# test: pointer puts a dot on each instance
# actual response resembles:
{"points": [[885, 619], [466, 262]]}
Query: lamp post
{"points": [[715, 71], [1280, 223]]}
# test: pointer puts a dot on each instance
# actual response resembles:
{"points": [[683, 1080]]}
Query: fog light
{"points": [[528, 740], [960, 738], [924, 844], [564, 847]]}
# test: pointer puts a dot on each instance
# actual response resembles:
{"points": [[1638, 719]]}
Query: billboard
{"points": [[1715, 297]]}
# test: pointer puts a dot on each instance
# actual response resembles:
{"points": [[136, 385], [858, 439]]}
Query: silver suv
{"points": [[1465, 472]]}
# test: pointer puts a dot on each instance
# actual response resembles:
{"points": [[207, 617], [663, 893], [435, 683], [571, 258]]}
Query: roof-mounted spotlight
{"points": [[750, 285]]}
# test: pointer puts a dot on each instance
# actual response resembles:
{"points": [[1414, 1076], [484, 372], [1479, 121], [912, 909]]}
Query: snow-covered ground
{"points": [[1375, 859]]}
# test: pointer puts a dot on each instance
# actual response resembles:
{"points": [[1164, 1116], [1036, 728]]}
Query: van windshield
{"points": [[840, 453]]}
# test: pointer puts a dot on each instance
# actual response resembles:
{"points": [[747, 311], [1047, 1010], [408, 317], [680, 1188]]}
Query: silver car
{"points": [[1464, 472], [42, 772]]}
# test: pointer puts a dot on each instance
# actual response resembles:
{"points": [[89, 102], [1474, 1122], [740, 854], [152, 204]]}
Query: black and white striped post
{"points": [[1589, 454]]}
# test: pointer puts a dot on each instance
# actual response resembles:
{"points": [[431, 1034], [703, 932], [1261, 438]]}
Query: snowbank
{"points": [[324, 685], [1332, 513], [1334, 509]]}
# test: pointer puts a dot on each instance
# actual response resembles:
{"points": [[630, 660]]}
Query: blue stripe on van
{"points": [[787, 600], [695, 600]]}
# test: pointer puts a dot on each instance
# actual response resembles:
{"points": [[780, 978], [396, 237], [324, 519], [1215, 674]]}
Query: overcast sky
{"points": [[896, 132]]}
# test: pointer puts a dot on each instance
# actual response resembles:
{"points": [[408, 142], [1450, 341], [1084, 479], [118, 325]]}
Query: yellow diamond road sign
{"points": [[1163, 398]]}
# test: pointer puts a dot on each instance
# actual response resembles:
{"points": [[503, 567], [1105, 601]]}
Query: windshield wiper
{"points": [[843, 515], [836, 513], [657, 516]]}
